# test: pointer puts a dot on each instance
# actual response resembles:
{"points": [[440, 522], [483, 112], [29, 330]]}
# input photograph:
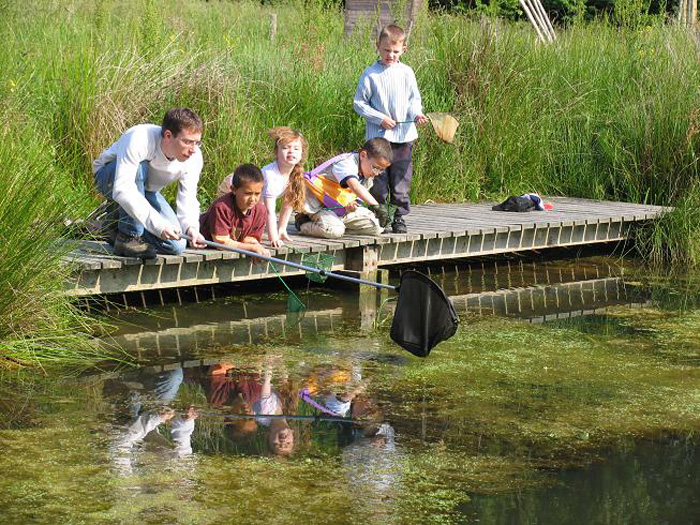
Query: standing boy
{"points": [[133, 170], [238, 218], [388, 99]]}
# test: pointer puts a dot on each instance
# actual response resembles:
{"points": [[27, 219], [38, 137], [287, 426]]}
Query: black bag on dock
{"points": [[424, 315], [515, 203]]}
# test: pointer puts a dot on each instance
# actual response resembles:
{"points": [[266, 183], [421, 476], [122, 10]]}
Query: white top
{"points": [[181, 432], [139, 429], [275, 182], [348, 166], [266, 406], [143, 143], [337, 406], [388, 91]]}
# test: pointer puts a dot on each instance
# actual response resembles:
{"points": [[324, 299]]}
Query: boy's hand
{"points": [[191, 413], [382, 214], [261, 250], [277, 243], [421, 119], [170, 233], [349, 208], [388, 123], [197, 239], [284, 236]]}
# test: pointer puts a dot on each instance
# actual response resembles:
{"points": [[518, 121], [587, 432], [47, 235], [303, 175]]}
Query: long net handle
{"points": [[292, 264]]}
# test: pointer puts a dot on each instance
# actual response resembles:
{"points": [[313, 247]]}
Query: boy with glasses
{"points": [[132, 172], [388, 99], [331, 208]]}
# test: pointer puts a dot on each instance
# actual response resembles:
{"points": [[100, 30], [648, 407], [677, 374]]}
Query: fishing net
{"points": [[296, 309], [322, 261], [424, 315], [445, 125]]}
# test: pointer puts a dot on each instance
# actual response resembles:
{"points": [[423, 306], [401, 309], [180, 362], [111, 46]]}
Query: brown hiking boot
{"points": [[132, 246]]}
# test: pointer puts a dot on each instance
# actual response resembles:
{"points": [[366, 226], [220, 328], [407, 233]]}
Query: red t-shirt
{"points": [[223, 218]]}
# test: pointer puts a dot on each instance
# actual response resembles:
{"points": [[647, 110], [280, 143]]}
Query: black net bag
{"points": [[424, 315]]}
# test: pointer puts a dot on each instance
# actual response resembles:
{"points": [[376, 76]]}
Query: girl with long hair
{"points": [[284, 178]]}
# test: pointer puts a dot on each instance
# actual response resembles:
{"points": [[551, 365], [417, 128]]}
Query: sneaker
{"points": [[300, 219], [398, 226], [133, 246]]}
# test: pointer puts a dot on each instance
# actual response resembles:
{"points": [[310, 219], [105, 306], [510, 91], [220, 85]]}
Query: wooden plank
{"points": [[434, 232]]}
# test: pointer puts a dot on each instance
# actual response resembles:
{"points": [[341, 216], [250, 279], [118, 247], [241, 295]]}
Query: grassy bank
{"points": [[605, 113]]}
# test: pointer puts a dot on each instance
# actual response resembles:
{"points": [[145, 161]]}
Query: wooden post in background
{"points": [[273, 26], [688, 12]]}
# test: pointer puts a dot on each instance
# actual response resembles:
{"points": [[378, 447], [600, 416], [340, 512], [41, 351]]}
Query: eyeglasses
{"points": [[376, 169], [190, 142]]}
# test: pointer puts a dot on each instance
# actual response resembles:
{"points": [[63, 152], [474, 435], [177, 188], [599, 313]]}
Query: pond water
{"points": [[570, 394]]}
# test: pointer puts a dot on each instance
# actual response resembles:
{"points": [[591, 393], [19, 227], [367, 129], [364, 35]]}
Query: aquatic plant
{"points": [[673, 241], [604, 113]]}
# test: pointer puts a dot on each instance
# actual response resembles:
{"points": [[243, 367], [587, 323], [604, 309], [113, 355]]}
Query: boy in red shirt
{"points": [[238, 218]]}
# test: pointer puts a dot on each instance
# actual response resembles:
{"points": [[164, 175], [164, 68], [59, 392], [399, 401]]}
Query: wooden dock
{"points": [[437, 232]]}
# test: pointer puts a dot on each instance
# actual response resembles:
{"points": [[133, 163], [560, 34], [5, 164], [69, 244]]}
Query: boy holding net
{"points": [[238, 218], [388, 99]]}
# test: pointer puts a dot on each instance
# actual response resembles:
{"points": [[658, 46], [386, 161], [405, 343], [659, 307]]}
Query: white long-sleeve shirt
{"points": [[388, 91], [143, 143]]}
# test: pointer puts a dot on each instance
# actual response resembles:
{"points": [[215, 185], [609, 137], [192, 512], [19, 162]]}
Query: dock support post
{"points": [[363, 262]]}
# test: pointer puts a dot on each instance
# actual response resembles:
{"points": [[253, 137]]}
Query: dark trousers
{"points": [[394, 184]]}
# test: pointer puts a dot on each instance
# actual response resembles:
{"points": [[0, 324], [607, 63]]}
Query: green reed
{"points": [[605, 112]]}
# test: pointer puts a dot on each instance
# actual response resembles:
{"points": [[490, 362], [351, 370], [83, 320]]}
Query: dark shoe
{"points": [[110, 235], [398, 226], [132, 246], [300, 219]]}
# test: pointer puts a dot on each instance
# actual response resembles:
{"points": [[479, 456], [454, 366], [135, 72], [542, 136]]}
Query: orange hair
{"points": [[295, 194]]}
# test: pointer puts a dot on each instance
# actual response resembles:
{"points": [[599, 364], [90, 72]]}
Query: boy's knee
{"points": [[172, 247], [334, 233]]}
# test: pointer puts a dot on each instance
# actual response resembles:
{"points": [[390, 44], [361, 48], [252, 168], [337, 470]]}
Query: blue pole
{"points": [[323, 273]]}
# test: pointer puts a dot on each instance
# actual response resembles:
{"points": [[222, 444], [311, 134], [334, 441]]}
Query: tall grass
{"points": [[38, 325], [607, 112]]}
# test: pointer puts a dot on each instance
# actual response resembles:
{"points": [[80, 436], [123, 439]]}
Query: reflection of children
{"points": [[238, 391], [340, 403], [237, 218], [388, 99], [335, 389], [284, 178], [281, 437], [159, 389], [355, 172]]}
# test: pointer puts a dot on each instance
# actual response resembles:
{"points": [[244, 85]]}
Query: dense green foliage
{"points": [[605, 113]]}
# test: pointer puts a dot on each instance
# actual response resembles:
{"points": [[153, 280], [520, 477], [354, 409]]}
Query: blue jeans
{"points": [[104, 182]]}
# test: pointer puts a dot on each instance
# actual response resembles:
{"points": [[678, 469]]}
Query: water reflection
{"points": [[323, 422], [262, 408], [535, 292], [146, 397]]}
